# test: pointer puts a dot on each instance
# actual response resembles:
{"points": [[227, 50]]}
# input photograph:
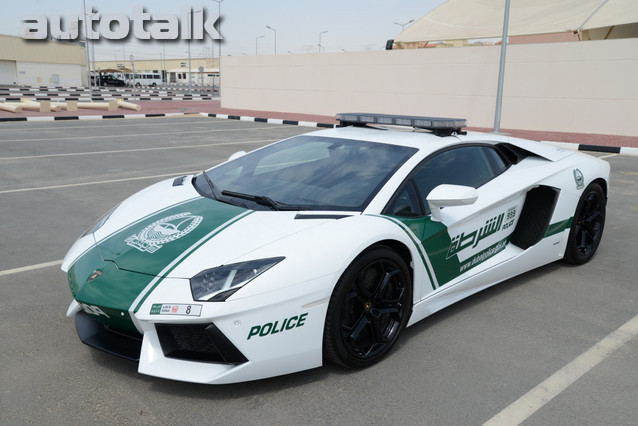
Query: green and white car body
{"points": [[136, 276]]}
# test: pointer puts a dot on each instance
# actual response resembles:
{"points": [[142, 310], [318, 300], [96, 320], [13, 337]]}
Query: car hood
{"points": [[181, 238]]}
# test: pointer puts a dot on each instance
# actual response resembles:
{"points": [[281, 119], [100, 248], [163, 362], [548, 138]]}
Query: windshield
{"points": [[310, 172]]}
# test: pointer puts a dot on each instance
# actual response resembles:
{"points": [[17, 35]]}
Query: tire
{"points": [[138, 85], [587, 226], [368, 309]]}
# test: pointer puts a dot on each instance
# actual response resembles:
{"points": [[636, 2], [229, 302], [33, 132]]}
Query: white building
{"points": [[41, 62], [203, 71]]}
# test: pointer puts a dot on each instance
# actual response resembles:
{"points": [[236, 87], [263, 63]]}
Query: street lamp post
{"points": [[219, 65], [256, 40], [86, 47], [275, 31], [501, 69], [190, 33], [190, 68], [164, 62], [403, 25], [320, 34], [96, 78]]}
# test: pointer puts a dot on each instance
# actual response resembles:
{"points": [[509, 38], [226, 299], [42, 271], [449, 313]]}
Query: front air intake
{"points": [[198, 342]]}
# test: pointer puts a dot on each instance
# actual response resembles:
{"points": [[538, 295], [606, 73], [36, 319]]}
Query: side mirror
{"points": [[450, 195], [237, 155]]}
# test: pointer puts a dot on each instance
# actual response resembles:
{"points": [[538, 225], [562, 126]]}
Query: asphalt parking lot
{"points": [[552, 338]]}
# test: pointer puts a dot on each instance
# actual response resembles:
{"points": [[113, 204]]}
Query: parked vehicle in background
{"points": [[145, 79], [109, 80]]}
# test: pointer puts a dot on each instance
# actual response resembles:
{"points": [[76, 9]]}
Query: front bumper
{"points": [[234, 342], [99, 336], [192, 342]]}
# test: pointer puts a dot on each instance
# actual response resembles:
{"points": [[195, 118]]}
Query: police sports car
{"points": [[325, 246]]}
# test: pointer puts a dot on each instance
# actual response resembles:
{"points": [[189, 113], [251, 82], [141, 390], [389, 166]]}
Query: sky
{"points": [[351, 25]]}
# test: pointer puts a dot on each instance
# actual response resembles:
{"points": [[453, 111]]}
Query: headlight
{"points": [[218, 284]]}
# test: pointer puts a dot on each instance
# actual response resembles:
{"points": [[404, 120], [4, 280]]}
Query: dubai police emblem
{"points": [[160, 232], [579, 178]]}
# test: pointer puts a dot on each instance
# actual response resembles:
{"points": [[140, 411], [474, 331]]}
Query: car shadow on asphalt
{"points": [[482, 296], [128, 369]]}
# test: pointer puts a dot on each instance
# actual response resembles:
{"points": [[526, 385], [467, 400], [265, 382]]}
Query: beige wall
{"points": [[41, 62], [38, 74], [17, 49], [585, 87]]}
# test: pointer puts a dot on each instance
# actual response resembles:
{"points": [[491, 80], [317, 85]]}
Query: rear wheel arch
{"points": [[588, 224], [603, 184]]}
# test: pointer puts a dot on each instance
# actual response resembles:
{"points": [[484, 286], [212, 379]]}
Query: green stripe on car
{"points": [[144, 295], [414, 229], [558, 227], [127, 265]]}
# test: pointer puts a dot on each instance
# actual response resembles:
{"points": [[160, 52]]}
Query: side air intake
{"points": [[535, 216]]}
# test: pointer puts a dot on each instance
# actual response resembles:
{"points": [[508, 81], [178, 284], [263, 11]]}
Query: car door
{"points": [[467, 237]]}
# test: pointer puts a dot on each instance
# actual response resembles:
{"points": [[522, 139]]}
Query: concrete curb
{"points": [[111, 98], [101, 89], [91, 117], [270, 120], [60, 94], [564, 145], [594, 148]]}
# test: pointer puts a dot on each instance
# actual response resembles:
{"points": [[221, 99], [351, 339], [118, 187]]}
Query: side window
{"points": [[497, 162], [405, 203], [473, 166], [469, 166]]}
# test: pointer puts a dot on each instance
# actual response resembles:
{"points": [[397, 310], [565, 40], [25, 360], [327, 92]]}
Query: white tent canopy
{"points": [[475, 19]]}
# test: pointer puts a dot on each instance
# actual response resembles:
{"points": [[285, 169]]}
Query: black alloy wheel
{"points": [[587, 227], [369, 307]]}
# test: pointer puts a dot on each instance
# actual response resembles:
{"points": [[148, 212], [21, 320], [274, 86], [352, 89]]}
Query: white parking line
{"points": [[119, 151], [70, 185], [133, 135], [607, 156], [30, 268], [535, 399], [78, 125]]}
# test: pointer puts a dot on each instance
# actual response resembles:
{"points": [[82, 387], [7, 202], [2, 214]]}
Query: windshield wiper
{"points": [[263, 200], [216, 193]]}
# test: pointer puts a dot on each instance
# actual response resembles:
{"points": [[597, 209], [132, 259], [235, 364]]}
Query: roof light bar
{"points": [[440, 126]]}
